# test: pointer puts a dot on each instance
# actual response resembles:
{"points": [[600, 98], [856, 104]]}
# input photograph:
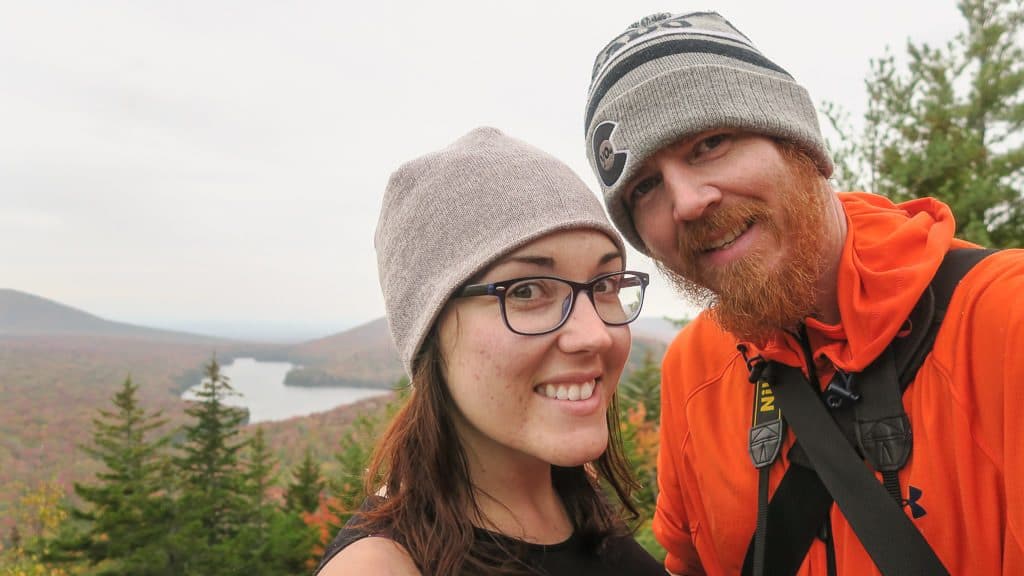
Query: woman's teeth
{"points": [[570, 392]]}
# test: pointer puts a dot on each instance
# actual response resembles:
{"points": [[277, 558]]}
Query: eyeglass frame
{"points": [[499, 289]]}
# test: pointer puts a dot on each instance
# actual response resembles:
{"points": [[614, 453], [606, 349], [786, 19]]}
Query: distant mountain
{"points": [[24, 314], [363, 356], [654, 329], [59, 365], [369, 336]]}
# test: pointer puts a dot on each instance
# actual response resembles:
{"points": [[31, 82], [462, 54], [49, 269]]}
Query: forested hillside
{"points": [[362, 356], [50, 389], [201, 493], [53, 381]]}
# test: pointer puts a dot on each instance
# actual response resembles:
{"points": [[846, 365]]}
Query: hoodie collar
{"points": [[889, 256]]}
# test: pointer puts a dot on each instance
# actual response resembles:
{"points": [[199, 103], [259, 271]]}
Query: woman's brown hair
{"points": [[430, 500]]}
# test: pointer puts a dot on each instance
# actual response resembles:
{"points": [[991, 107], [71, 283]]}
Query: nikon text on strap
{"points": [[876, 425]]}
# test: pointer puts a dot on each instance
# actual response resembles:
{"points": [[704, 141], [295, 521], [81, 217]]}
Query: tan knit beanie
{"points": [[448, 215]]}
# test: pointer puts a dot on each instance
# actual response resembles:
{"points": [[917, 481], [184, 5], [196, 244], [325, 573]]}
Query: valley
{"points": [[59, 366]]}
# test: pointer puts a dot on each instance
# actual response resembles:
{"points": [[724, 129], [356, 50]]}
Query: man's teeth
{"points": [[570, 392], [729, 239]]}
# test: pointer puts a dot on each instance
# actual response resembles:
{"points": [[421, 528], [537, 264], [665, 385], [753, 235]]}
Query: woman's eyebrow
{"points": [[609, 257], [549, 262], [542, 261]]}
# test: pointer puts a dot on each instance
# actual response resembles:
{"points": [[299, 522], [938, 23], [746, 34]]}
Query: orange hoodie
{"points": [[965, 405]]}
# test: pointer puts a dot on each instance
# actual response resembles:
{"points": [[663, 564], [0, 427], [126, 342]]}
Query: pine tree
{"points": [[643, 386], [272, 541], [303, 493], [127, 509], [212, 499], [640, 395], [292, 544], [352, 458], [302, 500], [950, 125], [258, 475]]}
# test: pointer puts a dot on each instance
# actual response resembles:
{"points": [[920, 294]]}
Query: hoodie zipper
{"points": [[830, 549]]}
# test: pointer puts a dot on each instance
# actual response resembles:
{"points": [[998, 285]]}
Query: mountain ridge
{"points": [[361, 356], [26, 314]]}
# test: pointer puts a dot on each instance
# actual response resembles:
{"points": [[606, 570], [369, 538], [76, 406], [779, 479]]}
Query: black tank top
{"points": [[621, 555]]}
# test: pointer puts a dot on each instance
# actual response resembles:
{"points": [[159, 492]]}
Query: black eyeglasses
{"points": [[541, 304]]}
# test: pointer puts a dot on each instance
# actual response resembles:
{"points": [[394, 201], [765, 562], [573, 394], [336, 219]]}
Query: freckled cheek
{"points": [[490, 379], [481, 364], [494, 366]]}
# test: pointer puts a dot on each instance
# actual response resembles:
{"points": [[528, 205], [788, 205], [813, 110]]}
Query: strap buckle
{"points": [[840, 391]]}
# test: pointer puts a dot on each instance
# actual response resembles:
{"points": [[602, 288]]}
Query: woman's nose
{"points": [[584, 330]]}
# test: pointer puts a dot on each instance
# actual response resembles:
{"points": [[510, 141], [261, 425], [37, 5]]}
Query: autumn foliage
{"points": [[205, 495]]}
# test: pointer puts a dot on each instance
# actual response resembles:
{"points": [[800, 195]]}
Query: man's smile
{"points": [[730, 237]]}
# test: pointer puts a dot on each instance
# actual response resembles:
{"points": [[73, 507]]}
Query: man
{"points": [[711, 161]]}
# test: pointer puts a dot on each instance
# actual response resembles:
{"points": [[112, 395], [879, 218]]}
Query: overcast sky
{"points": [[220, 165]]}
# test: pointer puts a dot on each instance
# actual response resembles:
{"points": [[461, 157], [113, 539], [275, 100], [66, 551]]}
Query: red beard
{"points": [[747, 297]]}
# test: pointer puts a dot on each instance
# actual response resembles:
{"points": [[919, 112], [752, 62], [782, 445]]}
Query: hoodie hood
{"points": [[889, 256]]}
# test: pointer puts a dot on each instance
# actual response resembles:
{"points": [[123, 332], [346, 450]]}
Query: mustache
{"points": [[699, 235]]}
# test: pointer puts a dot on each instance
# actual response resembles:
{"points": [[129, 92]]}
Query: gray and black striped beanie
{"points": [[450, 214], [671, 76]]}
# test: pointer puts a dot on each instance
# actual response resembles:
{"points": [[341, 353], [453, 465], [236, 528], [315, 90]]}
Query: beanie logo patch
{"points": [[609, 161]]}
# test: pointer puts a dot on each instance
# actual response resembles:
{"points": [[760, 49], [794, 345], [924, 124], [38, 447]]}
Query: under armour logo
{"points": [[916, 510], [608, 160]]}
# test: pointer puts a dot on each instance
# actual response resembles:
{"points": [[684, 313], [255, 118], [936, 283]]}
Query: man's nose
{"points": [[690, 194]]}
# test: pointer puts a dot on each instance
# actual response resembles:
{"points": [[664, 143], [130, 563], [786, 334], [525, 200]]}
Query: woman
{"points": [[508, 303]]}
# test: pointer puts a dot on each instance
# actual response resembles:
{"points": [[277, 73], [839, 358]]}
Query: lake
{"points": [[261, 389]]}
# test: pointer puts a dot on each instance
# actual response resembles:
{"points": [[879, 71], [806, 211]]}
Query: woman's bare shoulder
{"points": [[371, 556]]}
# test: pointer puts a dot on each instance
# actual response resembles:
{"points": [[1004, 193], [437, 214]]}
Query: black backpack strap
{"points": [[792, 521], [883, 432], [889, 536], [910, 354]]}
